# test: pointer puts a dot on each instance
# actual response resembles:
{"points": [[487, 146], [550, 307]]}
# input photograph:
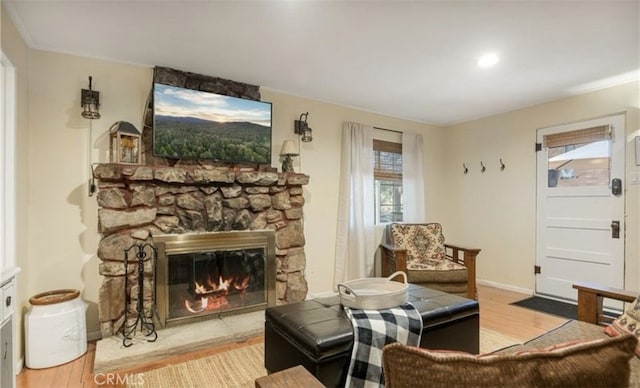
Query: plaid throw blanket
{"points": [[372, 330]]}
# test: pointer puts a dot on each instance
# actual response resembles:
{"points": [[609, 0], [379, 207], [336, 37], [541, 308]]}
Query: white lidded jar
{"points": [[55, 328]]}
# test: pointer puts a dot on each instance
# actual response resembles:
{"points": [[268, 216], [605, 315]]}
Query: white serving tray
{"points": [[374, 293]]}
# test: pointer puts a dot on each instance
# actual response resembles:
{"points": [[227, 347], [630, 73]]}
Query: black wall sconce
{"points": [[302, 128], [90, 101]]}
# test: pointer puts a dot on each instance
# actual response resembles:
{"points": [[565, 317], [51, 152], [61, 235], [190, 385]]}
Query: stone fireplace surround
{"points": [[136, 202]]}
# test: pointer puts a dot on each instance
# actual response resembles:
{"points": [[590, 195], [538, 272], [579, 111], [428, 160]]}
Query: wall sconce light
{"points": [[302, 128], [90, 101], [125, 142], [288, 150]]}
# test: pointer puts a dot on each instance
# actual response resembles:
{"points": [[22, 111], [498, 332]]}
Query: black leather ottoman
{"points": [[318, 335]]}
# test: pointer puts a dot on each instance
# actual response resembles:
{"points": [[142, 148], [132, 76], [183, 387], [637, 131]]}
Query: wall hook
{"points": [[465, 170], [502, 166], [482, 167]]}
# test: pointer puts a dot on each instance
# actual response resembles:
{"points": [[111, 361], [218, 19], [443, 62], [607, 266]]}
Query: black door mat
{"points": [[549, 306]]}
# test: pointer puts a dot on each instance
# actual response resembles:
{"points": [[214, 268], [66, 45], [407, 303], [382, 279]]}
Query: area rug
{"points": [[491, 341], [234, 368], [240, 367], [549, 306]]}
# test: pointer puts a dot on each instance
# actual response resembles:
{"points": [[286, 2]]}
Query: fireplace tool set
{"points": [[147, 327]]}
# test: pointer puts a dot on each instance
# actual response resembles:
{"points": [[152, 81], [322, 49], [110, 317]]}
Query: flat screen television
{"points": [[192, 124]]}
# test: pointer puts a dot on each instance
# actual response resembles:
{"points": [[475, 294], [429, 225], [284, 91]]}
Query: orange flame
{"points": [[242, 284], [213, 295]]}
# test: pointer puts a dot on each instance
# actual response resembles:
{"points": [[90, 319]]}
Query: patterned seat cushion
{"points": [[629, 322], [425, 246]]}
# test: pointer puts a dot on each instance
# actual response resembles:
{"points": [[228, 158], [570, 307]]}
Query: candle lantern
{"points": [[125, 143]]}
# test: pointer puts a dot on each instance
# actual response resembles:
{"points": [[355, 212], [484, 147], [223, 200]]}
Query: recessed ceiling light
{"points": [[488, 60]]}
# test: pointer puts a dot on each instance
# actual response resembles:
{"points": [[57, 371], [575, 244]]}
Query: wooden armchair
{"points": [[590, 298], [420, 251]]}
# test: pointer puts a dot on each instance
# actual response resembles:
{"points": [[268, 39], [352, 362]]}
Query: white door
{"points": [[580, 211]]}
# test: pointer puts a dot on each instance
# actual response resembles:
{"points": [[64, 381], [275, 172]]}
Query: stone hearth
{"points": [[136, 202], [112, 356]]}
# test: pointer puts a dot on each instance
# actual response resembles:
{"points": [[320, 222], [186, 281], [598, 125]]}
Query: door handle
{"points": [[615, 229]]}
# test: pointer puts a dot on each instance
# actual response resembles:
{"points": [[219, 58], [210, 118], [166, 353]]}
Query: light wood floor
{"points": [[495, 314]]}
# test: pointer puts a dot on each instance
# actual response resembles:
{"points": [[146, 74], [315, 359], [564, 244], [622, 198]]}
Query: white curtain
{"points": [[355, 247], [413, 201]]}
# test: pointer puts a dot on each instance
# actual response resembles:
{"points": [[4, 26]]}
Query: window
{"points": [[387, 175], [579, 158]]}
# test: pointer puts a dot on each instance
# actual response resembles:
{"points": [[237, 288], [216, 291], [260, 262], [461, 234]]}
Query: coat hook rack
{"points": [[502, 166], [482, 167], [465, 170]]}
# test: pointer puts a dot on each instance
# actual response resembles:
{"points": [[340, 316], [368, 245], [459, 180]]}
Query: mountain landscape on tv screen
{"points": [[194, 138]]}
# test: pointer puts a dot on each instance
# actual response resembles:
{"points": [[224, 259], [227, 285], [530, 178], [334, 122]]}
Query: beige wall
{"points": [[496, 211], [18, 54], [62, 231], [320, 160], [63, 219]]}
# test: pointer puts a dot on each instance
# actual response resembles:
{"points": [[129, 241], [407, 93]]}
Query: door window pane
{"points": [[585, 164]]}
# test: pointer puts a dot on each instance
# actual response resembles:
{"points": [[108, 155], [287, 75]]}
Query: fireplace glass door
{"points": [[215, 281], [206, 275]]}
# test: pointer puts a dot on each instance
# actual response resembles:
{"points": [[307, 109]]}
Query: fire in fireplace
{"points": [[204, 275]]}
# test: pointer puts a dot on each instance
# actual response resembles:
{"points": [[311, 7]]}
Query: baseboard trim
{"points": [[20, 365], [323, 294], [507, 287], [502, 286]]}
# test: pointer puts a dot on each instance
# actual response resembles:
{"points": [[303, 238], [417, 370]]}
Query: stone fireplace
{"points": [[161, 205]]}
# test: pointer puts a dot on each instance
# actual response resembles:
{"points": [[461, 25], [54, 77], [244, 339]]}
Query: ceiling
{"points": [[413, 60]]}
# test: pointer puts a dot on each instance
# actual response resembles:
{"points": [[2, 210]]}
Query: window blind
{"points": [[387, 160], [579, 136]]}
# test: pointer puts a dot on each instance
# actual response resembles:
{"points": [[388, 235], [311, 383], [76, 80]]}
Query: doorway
{"points": [[7, 164], [580, 206]]}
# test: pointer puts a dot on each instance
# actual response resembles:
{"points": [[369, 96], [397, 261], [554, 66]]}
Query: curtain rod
{"points": [[386, 129]]}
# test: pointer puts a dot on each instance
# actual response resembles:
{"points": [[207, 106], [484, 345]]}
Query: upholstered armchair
{"points": [[421, 252]]}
